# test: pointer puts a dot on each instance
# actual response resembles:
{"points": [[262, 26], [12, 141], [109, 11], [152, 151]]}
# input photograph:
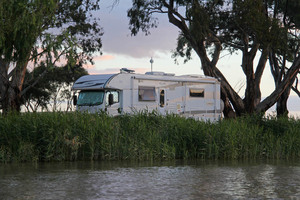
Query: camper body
{"points": [[190, 96]]}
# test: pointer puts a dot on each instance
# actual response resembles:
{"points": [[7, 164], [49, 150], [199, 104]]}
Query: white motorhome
{"points": [[192, 96]]}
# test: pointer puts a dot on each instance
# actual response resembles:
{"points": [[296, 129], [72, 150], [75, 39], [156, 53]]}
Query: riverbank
{"points": [[59, 136]]}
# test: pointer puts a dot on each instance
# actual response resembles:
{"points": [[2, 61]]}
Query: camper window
{"points": [[90, 98], [115, 96], [196, 92], [146, 93]]}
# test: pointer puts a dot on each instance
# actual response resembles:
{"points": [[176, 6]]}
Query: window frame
{"points": [[107, 92], [197, 92], [141, 96], [162, 98]]}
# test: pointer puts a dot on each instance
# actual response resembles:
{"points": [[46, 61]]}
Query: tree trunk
{"points": [[228, 110], [250, 92], [281, 106], [14, 100], [12, 85], [11, 101], [253, 77], [11, 90]]}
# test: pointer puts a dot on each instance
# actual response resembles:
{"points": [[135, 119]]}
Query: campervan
{"points": [[190, 96]]}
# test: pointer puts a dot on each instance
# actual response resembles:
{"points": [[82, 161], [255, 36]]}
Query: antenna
{"points": [[151, 61]]}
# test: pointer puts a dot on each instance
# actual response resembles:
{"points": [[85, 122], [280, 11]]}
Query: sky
{"points": [[121, 50]]}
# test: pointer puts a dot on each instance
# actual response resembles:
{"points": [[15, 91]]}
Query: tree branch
{"points": [[217, 51], [261, 65], [295, 88], [272, 99]]}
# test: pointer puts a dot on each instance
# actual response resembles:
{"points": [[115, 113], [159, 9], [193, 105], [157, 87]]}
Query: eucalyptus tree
{"points": [[53, 32], [287, 49], [210, 26]]}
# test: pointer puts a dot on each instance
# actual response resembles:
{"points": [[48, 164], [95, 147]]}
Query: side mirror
{"points": [[110, 99], [74, 100]]}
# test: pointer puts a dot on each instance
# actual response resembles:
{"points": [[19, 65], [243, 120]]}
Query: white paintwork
{"points": [[176, 96]]}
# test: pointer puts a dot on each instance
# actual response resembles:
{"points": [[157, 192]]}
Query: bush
{"points": [[59, 136]]}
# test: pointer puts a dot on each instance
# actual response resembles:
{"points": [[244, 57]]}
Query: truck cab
{"points": [[98, 100]]}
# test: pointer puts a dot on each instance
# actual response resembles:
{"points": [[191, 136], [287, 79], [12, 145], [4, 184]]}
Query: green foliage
{"points": [[290, 10], [21, 23], [58, 80], [141, 17], [183, 49], [44, 33], [61, 136]]}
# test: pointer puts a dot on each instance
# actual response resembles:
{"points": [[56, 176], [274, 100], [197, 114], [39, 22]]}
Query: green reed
{"points": [[63, 136]]}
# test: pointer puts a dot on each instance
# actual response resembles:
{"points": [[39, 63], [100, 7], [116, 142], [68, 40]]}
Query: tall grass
{"points": [[62, 136]]}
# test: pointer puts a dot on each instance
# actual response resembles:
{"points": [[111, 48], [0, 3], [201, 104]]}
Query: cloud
{"points": [[97, 59], [117, 38], [141, 70], [103, 57], [88, 66], [104, 71]]}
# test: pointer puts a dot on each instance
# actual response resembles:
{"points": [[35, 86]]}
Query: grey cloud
{"points": [[117, 38]]}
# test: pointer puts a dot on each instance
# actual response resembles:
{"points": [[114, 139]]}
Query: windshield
{"points": [[90, 98]]}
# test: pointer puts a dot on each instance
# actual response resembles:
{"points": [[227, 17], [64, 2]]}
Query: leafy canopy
{"points": [[53, 33]]}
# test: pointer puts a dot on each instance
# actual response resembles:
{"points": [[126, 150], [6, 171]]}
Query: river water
{"points": [[147, 180]]}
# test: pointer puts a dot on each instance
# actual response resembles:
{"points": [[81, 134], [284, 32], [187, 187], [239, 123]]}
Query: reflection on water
{"points": [[171, 180]]}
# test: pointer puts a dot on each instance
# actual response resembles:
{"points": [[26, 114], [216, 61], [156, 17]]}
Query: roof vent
{"points": [[193, 76], [125, 70], [155, 73], [159, 74]]}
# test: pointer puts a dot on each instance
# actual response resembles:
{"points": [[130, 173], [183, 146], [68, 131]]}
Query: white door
{"points": [[112, 106]]}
